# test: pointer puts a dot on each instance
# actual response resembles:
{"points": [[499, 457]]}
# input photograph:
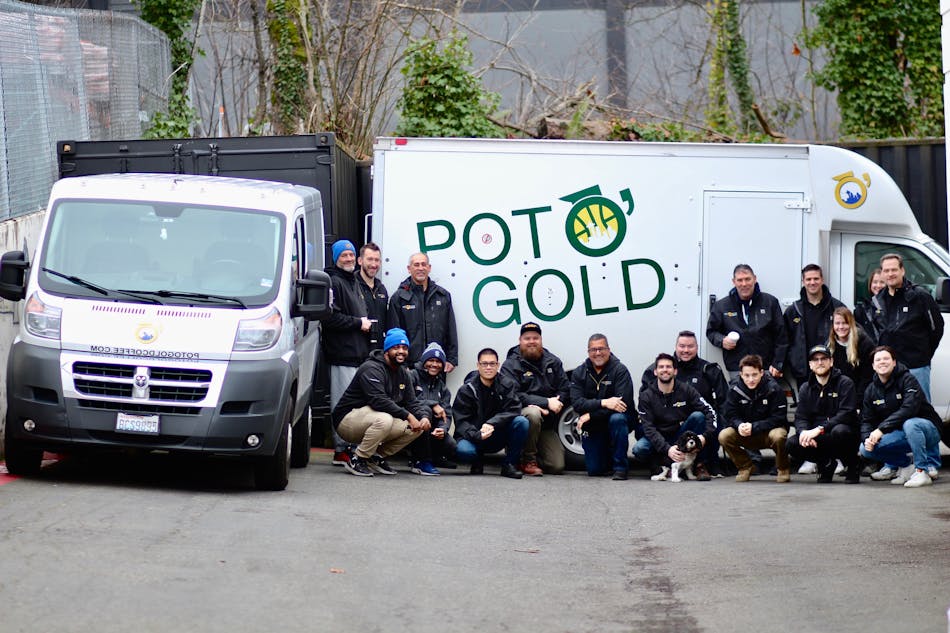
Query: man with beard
{"points": [[706, 378], [602, 396], [826, 419], [378, 411], [667, 409], [808, 321], [345, 333], [374, 293], [544, 391]]}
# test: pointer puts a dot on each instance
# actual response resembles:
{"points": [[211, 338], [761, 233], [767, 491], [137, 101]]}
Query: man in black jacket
{"points": [[424, 310], [435, 445], [373, 292], [668, 408], [706, 378], [488, 418], [544, 391], [748, 321], [602, 396], [378, 411], [345, 333], [755, 419], [908, 320], [896, 419], [808, 321], [826, 420]]}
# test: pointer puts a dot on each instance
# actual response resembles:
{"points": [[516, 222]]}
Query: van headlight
{"points": [[42, 320], [257, 334]]}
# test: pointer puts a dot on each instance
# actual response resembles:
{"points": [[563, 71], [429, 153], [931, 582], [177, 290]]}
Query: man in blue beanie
{"points": [[379, 411], [345, 333]]}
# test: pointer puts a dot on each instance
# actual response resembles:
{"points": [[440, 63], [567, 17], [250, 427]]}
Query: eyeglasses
{"points": [[598, 350], [488, 363]]}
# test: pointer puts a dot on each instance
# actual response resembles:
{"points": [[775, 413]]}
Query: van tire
{"points": [[570, 440], [273, 473], [20, 458], [300, 439]]}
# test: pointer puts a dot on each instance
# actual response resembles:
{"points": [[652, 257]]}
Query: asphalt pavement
{"points": [[166, 544]]}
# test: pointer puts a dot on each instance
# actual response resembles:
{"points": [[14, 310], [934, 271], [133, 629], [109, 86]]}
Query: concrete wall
{"points": [[13, 234]]}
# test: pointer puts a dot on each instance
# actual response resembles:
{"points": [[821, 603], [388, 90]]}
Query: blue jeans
{"points": [[922, 374], [696, 422], [919, 436], [607, 450], [510, 437]]}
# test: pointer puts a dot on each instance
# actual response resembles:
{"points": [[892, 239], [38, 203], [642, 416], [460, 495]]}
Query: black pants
{"points": [[426, 448], [840, 443]]}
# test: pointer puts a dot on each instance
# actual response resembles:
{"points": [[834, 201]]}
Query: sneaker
{"points": [[531, 469], [918, 479], [443, 462], [358, 466], [380, 465], [933, 472], [808, 468], [904, 475], [425, 468], [852, 474], [508, 470], [620, 475], [701, 472], [886, 472], [341, 458], [839, 469]]}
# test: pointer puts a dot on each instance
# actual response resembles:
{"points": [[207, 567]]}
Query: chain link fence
{"points": [[69, 74]]}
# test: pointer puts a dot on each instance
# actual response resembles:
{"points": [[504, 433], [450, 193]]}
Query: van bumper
{"points": [[253, 399]]}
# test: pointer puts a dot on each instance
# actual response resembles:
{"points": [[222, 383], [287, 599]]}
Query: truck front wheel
{"points": [[273, 473], [20, 458], [570, 440]]}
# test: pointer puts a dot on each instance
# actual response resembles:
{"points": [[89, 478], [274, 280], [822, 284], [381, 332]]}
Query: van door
{"points": [[761, 229], [861, 254]]}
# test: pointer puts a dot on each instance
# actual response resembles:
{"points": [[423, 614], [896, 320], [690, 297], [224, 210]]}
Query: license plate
{"points": [[127, 423]]}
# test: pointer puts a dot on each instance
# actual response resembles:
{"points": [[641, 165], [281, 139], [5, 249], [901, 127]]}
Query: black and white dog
{"points": [[689, 444]]}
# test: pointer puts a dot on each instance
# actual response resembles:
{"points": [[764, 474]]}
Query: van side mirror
{"points": [[13, 265], [313, 298], [942, 291]]}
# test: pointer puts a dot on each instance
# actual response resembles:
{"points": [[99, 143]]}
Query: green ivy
{"points": [[288, 91], [884, 59], [174, 19], [442, 98], [729, 54]]}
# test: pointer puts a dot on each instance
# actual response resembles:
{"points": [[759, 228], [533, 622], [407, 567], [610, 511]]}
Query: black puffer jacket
{"points": [[344, 342], [383, 389], [427, 316], [764, 334]]}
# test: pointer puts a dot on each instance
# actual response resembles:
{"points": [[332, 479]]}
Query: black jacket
{"points": [[705, 377], [477, 404], [888, 405], [764, 334], [863, 372], [765, 408], [377, 308], [536, 381], [910, 322], [863, 315], [827, 405], [344, 341], [426, 316], [430, 391], [795, 315], [588, 388], [662, 414], [382, 389]]}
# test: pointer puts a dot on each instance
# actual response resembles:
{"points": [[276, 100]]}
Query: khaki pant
{"points": [[375, 432], [542, 445], [733, 444]]}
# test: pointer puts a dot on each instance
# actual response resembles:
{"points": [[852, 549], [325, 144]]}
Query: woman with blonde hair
{"points": [[851, 348]]}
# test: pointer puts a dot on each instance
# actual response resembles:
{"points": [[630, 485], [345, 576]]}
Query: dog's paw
{"points": [[661, 476]]}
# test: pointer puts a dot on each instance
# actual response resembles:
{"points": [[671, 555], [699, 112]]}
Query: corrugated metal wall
{"points": [[919, 169]]}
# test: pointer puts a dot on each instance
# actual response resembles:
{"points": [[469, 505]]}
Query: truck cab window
{"points": [[919, 269]]}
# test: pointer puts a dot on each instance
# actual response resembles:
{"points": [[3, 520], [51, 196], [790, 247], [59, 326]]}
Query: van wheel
{"points": [[300, 440], [570, 440], [273, 473], [20, 458]]}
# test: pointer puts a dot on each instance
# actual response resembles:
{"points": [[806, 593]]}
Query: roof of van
{"points": [[221, 191]]}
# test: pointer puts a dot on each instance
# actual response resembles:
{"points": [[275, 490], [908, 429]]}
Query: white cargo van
{"points": [[634, 240], [168, 312]]}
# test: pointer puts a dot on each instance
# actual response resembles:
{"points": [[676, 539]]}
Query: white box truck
{"points": [[635, 240], [168, 312]]}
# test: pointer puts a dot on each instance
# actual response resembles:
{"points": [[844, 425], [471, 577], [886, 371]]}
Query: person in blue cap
{"points": [[379, 411], [346, 333], [436, 446]]}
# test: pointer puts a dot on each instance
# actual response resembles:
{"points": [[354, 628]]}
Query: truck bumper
{"points": [[253, 399]]}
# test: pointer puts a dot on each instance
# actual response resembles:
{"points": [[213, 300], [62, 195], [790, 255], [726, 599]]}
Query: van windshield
{"points": [[187, 253]]}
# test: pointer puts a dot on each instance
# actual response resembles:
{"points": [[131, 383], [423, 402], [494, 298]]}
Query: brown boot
{"points": [[783, 476], [531, 469], [744, 474]]}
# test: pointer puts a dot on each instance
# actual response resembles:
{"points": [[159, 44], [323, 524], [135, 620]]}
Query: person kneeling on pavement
{"points": [[435, 446], [488, 418], [378, 411]]}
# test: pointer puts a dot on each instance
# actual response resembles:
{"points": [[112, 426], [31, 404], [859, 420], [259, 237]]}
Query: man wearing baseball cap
{"points": [[544, 390], [826, 420], [379, 411], [345, 332]]}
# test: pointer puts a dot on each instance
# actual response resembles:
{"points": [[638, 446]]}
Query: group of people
{"points": [[863, 382]]}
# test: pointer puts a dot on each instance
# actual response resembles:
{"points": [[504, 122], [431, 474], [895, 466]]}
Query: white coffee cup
{"points": [[733, 336]]}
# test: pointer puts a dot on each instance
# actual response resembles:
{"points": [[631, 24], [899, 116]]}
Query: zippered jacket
{"points": [[477, 404], [588, 388], [662, 414], [381, 388], [344, 341], [427, 316], [910, 322], [827, 405], [888, 405], [536, 381], [759, 323], [795, 315], [765, 407]]}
